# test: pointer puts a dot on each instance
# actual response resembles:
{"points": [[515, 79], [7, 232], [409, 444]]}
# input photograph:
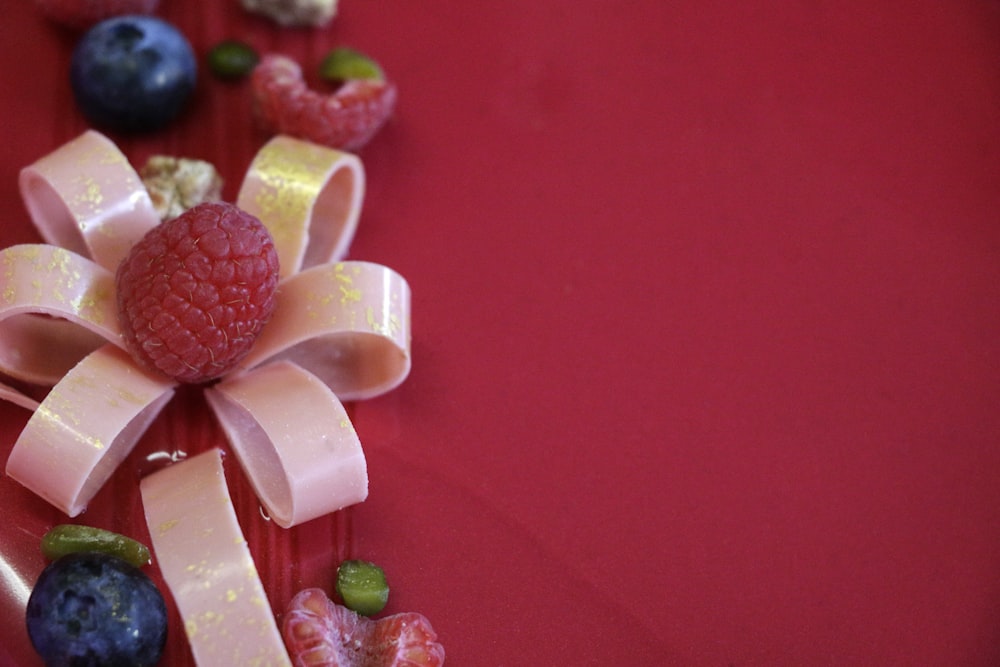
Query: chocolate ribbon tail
{"points": [[207, 564]]}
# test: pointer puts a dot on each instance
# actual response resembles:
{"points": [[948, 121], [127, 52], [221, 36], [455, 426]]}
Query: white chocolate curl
{"points": [[342, 324], [206, 562], [302, 473]]}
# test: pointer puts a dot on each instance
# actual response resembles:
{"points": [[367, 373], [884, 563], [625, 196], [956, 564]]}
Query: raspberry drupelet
{"points": [[194, 292]]}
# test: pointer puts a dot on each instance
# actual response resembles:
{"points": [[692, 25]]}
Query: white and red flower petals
{"points": [[294, 440]]}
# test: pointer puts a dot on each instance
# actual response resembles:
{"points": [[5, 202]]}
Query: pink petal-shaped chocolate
{"points": [[308, 196], [86, 197], [348, 323], [56, 307], [85, 427], [301, 468]]}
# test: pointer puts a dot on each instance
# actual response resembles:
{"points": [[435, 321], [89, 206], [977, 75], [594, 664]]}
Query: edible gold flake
{"points": [[88, 303], [388, 327], [292, 176], [348, 295], [167, 525], [88, 200], [130, 397], [60, 260]]}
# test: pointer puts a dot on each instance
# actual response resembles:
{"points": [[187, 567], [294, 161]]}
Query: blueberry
{"points": [[90, 608], [132, 73]]}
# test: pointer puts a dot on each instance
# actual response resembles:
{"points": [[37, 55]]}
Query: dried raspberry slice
{"points": [[321, 633], [81, 14], [194, 292], [346, 119]]}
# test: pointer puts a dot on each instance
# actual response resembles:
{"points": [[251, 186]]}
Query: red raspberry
{"points": [[346, 119], [195, 291], [321, 633], [82, 14]]}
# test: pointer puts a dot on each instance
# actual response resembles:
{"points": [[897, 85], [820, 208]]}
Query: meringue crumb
{"points": [[315, 13], [176, 184]]}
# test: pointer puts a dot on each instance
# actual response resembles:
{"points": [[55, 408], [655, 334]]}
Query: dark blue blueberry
{"points": [[132, 73], [89, 609]]}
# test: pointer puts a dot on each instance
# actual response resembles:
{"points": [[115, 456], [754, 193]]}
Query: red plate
{"points": [[706, 361]]}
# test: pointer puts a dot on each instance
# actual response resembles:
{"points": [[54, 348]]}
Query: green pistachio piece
{"points": [[232, 59], [344, 63], [67, 538], [362, 586]]}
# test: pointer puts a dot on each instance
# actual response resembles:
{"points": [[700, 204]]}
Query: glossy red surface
{"points": [[706, 362]]}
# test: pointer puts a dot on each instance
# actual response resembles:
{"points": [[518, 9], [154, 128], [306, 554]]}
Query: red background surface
{"points": [[706, 363]]}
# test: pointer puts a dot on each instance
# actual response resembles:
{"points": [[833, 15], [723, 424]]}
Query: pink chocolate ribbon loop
{"points": [[350, 326], [300, 468], [208, 567], [86, 197], [56, 307], [341, 330], [85, 427], [308, 196]]}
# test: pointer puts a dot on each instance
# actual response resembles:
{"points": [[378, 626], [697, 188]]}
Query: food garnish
{"points": [[91, 608], [176, 184], [344, 63], [346, 118], [195, 292], [70, 538], [132, 73], [193, 296], [308, 13], [232, 59], [321, 633], [362, 586], [206, 562], [340, 332]]}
